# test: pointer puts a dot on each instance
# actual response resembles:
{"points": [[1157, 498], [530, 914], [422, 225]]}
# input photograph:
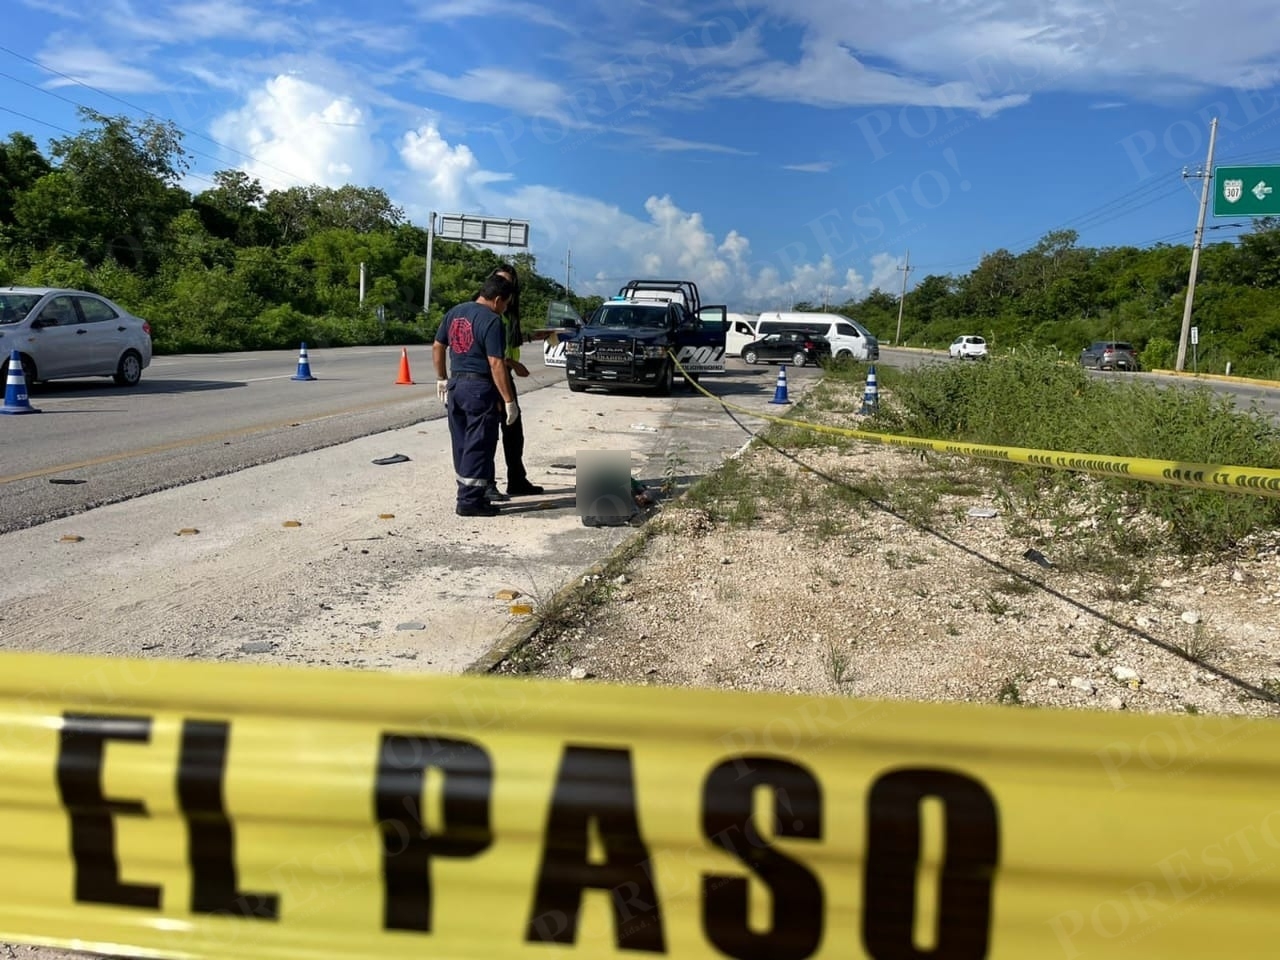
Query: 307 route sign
{"points": [[1246, 192]]}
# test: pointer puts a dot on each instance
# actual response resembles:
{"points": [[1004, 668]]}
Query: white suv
{"points": [[974, 348]]}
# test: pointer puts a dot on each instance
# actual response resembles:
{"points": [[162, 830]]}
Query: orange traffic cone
{"points": [[404, 377]]}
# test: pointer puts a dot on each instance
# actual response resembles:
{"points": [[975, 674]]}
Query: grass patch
{"points": [[837, 662], [1030, 400], [1011, 690]]}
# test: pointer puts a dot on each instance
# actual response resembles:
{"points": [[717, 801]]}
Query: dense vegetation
{"points": [[238, 267], [233, 267], [1031, 400], [1063, 296]]}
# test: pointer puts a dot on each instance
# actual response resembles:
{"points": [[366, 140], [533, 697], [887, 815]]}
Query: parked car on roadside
{"points": [[799, 347], [1110, 355], [61, 334], [969, 347]]}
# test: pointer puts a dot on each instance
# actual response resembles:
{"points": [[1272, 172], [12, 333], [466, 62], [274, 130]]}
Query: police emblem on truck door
{"points": [[701, 359], [700, 343]]}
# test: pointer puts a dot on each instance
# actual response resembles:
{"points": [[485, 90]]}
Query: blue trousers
{"points": [[473, 426]]}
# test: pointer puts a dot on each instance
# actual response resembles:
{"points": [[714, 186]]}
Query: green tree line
{"points": [[1064, 296], [233, 267], [237, 267]]}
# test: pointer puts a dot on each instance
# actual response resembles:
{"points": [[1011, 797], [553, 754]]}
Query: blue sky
{"points": [[770, 150]]}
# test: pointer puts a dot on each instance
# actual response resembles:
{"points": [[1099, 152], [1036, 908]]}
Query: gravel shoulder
{"points": [[867, 571]]}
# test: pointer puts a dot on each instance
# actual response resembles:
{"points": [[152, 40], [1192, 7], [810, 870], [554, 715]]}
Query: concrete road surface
{"points": [[327, 558]]}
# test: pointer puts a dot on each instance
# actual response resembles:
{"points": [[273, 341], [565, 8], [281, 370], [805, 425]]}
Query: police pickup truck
{"points": [[626, 341]]}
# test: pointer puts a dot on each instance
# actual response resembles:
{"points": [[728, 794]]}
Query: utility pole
{"points": [[426, 287], [362, 284], [1207, 176], [902, 299], [568, 269]]}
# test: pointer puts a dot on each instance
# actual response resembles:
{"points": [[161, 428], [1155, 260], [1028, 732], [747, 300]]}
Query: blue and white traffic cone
{"points": [[304, 366], [15, 388], [780, 391], [871, 396]]}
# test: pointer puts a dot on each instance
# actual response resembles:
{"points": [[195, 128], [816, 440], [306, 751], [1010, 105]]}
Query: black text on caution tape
{"points": [[593, 793]]}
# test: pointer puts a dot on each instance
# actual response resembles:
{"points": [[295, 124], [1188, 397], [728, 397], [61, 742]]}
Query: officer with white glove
{"points": [[476, 389]]}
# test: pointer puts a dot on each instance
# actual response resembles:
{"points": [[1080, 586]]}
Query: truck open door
{"points": [[562, 318], [702, 345]]}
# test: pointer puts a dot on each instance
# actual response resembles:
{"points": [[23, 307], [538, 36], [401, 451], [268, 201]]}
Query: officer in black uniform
{"points": [[475, 388]]}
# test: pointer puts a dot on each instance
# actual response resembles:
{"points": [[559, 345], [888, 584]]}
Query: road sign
{"points": [[497, 230], [1246, 192], [1195, 334]]}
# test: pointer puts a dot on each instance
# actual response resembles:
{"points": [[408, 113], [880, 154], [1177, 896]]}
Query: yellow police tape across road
{"points": [[224, 811], [1204, 476]]}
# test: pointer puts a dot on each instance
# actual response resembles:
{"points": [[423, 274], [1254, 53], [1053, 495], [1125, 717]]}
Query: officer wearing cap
{"points": [[471, 338]]}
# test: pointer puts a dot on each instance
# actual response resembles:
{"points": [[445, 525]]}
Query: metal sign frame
{"points": [[466, 228], [500, 231]]}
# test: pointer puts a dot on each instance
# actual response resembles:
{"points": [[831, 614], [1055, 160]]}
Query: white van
{"points": [[849, 339], [740, 329]]}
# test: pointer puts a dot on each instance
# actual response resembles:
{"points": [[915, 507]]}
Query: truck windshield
{"points": [[629, 316]]}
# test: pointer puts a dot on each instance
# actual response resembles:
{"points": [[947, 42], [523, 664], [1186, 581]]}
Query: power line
{"points": [[1109, 211]]}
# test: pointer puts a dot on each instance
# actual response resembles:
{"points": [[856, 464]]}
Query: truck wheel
{"points": [[799, 359], [750, 356], [577, 387]]}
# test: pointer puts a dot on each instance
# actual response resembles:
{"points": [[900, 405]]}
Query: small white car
{"points": [[62, 334], [969, 347]]}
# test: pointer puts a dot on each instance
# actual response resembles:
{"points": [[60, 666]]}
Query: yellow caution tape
{"points": [[1203, 476], [233, 811]]}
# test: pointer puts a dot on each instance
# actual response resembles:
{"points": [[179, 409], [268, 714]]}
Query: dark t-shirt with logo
{"points": [[473, 333]]}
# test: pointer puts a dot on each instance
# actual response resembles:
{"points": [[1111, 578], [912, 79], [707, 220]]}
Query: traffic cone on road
{"points": [[871, 396], [780, 391], [15, 388], [404, 377], [304, 366]]}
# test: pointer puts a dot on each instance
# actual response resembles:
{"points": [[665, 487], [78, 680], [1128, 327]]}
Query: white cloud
{"points": [[818, 166], [447, 175], [511, 90], [301, 132], [987, 55], [86, 64], [885, 273], [677, 145], [298, 133], [447, 11], [830, 75], [184, 23]]}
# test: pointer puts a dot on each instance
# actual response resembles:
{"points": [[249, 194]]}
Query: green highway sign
{"points": [[1246, 192]]}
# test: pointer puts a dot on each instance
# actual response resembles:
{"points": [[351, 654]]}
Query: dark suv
{"points": [[798, 346], [1110, 355]]}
